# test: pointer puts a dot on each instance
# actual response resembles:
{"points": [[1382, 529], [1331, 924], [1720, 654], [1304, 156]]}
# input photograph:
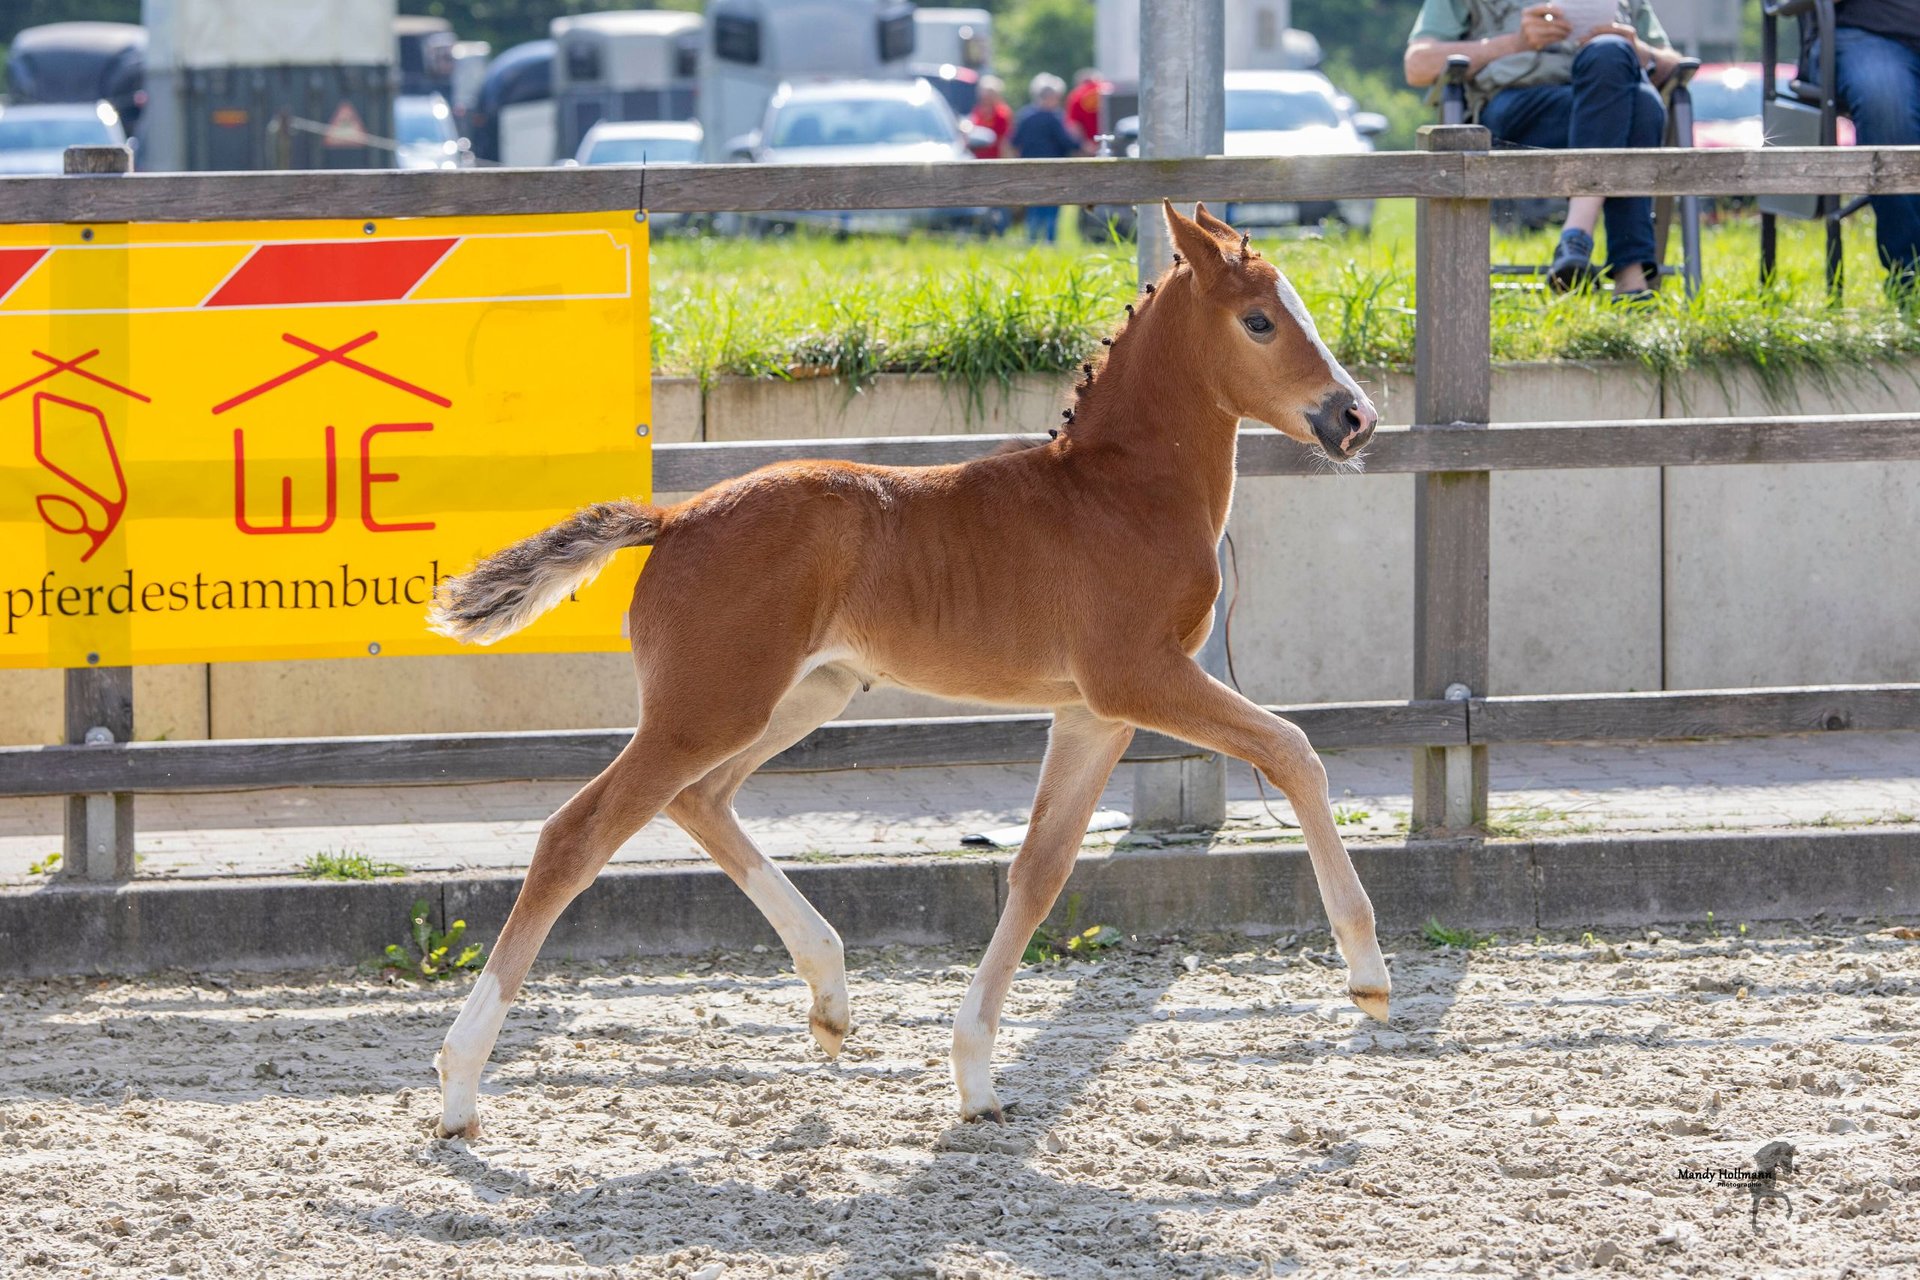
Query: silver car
{"points": [[861, 122], [33, 138]]}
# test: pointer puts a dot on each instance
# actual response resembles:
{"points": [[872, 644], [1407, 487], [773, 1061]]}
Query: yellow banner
{"points": [[225, 441]]}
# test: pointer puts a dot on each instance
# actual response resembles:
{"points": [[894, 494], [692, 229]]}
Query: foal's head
{"points": [[1257, 344]]}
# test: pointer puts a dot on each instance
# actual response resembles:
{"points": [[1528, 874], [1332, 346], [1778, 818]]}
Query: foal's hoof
{"points": [[829, 1035], [994, 1113], [1371, 1001], [470, 1130]]}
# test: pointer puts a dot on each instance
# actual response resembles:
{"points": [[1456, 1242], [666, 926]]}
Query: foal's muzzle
{"points": [[1343, 424]]}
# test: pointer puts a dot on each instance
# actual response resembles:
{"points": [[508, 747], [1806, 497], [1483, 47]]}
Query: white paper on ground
{"points": [[1010, 837]]}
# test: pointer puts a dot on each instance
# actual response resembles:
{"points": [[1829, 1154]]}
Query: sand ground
{"points": [[1179, 1107]]}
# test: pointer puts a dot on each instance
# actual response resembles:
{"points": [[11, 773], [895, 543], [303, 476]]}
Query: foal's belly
{"points": [[959, 675]]}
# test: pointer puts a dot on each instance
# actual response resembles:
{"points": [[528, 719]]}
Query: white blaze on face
{"points": [[1298, 310]]}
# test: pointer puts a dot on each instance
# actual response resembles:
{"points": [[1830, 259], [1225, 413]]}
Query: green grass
{"points": [[347, 865], [984, 312], [1440, 935]]}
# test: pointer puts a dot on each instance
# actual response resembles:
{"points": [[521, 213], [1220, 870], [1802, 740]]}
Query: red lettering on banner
{"points": [[80, 446], [369, 477], [286, 524]]}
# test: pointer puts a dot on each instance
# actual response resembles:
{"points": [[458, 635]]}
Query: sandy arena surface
{"points": [[1179, 1108]]}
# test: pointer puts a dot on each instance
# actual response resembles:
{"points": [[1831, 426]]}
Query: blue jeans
{"points": [[1609, 103], [1878, 84], [1043, 222]]}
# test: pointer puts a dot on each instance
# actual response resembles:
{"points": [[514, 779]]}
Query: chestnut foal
{"points": [[1077, 575]]}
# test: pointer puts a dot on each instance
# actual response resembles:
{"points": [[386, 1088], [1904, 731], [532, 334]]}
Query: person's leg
{"points": [[1878, 84], [1540, 116], [1614, 105], [1049, 223]]}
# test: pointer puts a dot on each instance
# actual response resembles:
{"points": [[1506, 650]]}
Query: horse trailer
{"points": [[269, 84], [753, 46], [512, 121], [623, 65], [956, 37]]}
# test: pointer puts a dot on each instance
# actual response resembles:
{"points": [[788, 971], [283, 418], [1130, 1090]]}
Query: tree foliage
{"points": [[1031, 36]]}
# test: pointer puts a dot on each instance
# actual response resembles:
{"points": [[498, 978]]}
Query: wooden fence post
{"points": [[99, 700], [1453, 384]]}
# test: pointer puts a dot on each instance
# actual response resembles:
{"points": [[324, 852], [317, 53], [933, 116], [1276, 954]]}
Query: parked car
{"points": [[960, 86], [424, 130], [1296, 113], [640, 142], [1726, 104], [861, 122], [34, 137], [1269, 113]]}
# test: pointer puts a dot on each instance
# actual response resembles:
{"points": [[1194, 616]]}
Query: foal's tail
{"points": [[510, 588]]}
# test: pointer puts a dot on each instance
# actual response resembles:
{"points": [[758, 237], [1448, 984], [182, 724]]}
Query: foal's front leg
{"points": [[1175, 697], [1081, 752]]}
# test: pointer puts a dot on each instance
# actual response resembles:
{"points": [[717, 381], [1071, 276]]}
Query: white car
{"points": [[1296, 113], [425, 134], [34, 138], [861, 122], [640, 142]]}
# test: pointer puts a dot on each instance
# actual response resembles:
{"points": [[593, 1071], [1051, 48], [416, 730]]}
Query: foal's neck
{"points": [[1152, 409]]}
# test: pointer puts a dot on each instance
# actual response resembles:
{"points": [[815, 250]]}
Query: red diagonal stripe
{"points": [[332, 271], [14, 265]]}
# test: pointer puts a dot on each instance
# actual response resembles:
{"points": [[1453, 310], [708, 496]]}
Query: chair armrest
{"points": [[1453, 90]]}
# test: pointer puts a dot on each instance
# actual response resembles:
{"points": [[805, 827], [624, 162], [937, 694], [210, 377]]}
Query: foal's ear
{"points": [[1214, 226], [1195, 245]]}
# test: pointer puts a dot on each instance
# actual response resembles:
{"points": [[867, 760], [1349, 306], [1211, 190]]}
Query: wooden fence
{"points": [[1452, 715]]}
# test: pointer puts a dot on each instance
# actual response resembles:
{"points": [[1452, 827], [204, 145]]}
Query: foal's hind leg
{"points": [[705, 811], [664, 756], [1081, 752]]}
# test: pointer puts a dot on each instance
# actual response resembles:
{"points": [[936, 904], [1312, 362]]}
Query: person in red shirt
{"points": [[991, 112], [1083, 104]]}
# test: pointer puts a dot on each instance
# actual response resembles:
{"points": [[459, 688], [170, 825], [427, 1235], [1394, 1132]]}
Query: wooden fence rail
{"points": [[1524, 446], [1451, 719], [423, 759], [740, 188]]}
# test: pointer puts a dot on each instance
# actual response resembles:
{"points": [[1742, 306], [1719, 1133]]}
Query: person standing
{"points": [[1040, 133], [1083, 104], [991, 112], [1876, 71]]}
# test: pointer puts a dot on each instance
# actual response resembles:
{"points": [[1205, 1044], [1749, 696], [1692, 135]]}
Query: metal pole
{"points": [[1183, 56], [99, 700]]}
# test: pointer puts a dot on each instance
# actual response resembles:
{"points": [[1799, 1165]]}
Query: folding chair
{"points": [[1679, 100], [1807, 114]]}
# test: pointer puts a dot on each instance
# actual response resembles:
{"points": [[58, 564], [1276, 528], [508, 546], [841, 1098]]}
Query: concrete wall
{"points": [[1794, 575], [1601, 580]]}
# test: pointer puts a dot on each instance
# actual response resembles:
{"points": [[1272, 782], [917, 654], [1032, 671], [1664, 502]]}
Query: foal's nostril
{"points": [[1353, 418]]}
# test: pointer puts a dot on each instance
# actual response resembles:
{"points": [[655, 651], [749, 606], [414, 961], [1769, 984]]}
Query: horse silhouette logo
{"points": [[1769, 1164], [73, 441]]}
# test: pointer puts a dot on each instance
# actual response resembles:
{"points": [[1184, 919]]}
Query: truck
{"points": [[753, 46], [1259, 37], [268, 84], [623, 65]]}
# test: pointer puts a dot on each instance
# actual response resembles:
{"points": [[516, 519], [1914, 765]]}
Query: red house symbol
{"points": [[72, 440], [323, 356]]}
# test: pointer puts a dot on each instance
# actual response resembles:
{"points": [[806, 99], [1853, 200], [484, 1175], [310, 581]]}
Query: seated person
{"points": [[1876, 71], [1535, 82]]}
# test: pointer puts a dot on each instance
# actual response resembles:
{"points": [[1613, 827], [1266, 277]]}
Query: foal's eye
{"points": [[1257, 323]]}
